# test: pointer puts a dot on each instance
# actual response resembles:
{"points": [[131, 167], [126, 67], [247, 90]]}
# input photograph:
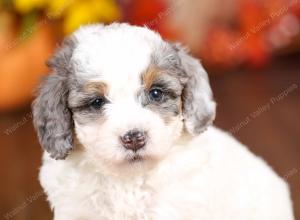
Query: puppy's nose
{"points": [[134, 140]]}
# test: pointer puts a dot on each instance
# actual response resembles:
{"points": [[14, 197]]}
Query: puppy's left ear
{"points": [[199, 108], [51, 117]]}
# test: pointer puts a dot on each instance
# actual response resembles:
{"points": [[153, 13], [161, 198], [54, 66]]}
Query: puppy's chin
{"points": [[126, 165], [137, 164], [129, 168]]}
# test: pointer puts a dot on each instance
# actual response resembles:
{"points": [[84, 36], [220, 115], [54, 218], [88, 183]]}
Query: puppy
{"points": [[125, 120]]}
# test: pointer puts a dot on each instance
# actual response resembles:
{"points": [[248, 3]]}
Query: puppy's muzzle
{"points": [[134, 140]]}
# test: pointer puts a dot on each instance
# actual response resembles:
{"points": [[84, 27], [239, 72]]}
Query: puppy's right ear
{"points": [[199, 108], [51, 117]]}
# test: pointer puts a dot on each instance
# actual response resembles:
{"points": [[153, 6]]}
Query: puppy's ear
{"points": [[51, 117], [199, 107]]}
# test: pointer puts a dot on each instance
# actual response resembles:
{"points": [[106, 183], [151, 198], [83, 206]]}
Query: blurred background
{"points": [[251, 49]]}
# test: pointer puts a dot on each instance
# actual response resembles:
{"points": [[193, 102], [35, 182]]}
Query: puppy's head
{"points": [[122, 92]]}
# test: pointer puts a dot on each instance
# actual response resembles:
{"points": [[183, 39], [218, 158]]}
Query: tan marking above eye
{"points": [[99, 87], [151, 74]]}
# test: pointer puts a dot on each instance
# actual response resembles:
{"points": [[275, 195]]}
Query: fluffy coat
{"points": [[108, 80]]}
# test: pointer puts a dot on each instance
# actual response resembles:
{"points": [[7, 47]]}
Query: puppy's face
{"points": [[124, 93], [132, 116]]}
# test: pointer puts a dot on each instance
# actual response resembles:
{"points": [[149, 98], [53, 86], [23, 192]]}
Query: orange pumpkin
{"points": [[23, 65]]}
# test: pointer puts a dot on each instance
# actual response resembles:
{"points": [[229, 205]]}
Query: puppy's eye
{"points": [[156, 95], [98, 103]]}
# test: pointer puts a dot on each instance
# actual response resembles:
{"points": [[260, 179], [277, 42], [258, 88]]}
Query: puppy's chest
{"points": [[110, 199]]}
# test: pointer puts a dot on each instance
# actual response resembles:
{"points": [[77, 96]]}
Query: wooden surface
{"points": [[243, 98]]}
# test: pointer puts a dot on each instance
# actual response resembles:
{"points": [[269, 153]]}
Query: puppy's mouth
{"points": [[136, 158]]}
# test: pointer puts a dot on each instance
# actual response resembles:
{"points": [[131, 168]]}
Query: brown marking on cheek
{"points": [[150, 76], [98, 87]]}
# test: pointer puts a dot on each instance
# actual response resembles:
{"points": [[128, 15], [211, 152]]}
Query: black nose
{"points": [[134, 140]]}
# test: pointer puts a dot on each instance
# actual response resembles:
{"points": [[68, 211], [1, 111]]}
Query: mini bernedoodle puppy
{"points": [[125, 120]]}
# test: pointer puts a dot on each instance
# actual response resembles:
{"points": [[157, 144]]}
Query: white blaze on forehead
{"points": [[116, 54]]}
